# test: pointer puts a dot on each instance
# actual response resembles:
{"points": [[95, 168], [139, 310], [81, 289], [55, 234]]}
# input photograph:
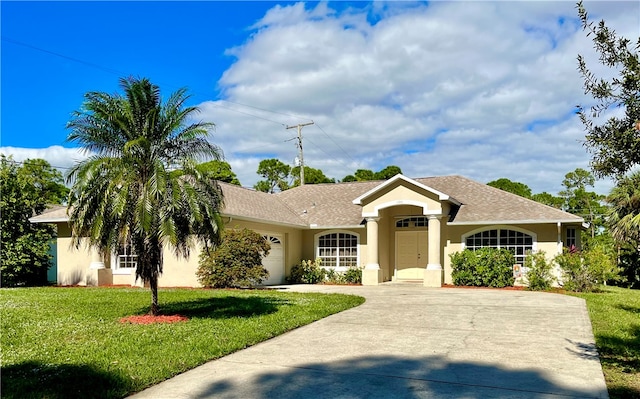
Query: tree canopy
{"points": [[581, 202], [26, 190], [219, 170], [624, 214], [275, 173], [142, 188], [311, 176], [368, 175], [513, 187], [614, 143]]}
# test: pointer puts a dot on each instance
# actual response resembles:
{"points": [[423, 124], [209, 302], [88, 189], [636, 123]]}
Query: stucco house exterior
{"points": [[401, 229]]}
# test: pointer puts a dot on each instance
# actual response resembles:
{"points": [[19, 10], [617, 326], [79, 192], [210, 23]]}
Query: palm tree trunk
{"points": [[153, 283]]}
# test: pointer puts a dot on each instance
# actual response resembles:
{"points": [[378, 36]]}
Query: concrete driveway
{"points": [[415, 342]]}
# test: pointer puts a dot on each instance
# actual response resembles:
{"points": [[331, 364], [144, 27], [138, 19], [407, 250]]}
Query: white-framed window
{"points": [[571, 240], [413, 221], [272, 239], [338, 250], [518, 242], [125, 260]]}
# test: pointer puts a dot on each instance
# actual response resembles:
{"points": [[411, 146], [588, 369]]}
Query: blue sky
{"points": [[481, 89]]}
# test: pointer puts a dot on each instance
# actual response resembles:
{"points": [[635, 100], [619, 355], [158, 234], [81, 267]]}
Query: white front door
{"points": [[411, 254], [274, 262]]}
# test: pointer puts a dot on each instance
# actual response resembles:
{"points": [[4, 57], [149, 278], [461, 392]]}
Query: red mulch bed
{"points": [[150, 319]]}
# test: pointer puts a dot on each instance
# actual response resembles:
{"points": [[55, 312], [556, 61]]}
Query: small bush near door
{"points": [[307, 272], [312, 272], [484, 267], [236, 262], [539, 276]]}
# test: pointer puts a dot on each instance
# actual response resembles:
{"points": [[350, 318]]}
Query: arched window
{"points": [[338, 250], [415, 221], [517, 242]]}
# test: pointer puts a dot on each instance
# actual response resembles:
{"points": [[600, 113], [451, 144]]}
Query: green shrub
{"points": [[307, 272], [484, 267], [236, 262], [353, 275], [333, 277], [539, 276], [583, 271]]}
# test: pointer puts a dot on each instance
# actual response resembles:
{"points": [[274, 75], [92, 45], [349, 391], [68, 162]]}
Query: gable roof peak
{"points": [[400, 177]]}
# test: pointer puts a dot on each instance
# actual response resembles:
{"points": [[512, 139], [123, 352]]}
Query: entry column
{"points": [[372, 274], [433, 273]]}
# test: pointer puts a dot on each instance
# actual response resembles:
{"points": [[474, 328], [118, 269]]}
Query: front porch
{"points": [[405, 222]]}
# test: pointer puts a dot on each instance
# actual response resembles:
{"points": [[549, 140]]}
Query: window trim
{"points": [[574, 238], [534, 236], [423, 220], [327, 232], [115, 264]]}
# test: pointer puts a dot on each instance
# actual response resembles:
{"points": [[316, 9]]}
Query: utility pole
{"points": [[299, 126]]}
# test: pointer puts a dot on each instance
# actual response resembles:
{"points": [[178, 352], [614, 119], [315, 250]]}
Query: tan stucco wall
{"points": [[398, 192], [73, 265]]}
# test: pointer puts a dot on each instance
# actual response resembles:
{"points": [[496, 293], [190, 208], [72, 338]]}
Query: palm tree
{"points": [[624, 215], [140, 187]]}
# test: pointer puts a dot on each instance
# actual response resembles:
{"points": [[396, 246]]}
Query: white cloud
{"points": [[483, 89], [59, 157]]}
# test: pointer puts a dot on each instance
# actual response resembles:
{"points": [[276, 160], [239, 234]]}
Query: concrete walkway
{"points": [[415, 342]]}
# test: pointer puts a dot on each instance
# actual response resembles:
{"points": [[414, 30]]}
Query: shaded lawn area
{"points": [[615, 317], [69, 343]]}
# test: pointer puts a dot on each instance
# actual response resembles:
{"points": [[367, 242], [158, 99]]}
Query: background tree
{"points": [[513, 187], [311, 176], [368, 175], [548, 199], [25, 191], [615, 143], [579, 201], [275, 173], [349, 178], [219, 170], [364, 175], [129, 193], [624, 214], [388, 172]]}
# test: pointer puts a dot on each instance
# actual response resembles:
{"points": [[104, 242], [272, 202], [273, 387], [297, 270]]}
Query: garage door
{"points": [[274, 262]]}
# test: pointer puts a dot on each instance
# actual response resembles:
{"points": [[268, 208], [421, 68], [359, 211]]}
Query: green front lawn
{"points": [[68, 342], [615, 317]]}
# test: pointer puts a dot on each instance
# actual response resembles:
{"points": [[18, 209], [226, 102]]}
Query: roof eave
{"points": [[263, 221], [36, 219], [527, 221], [318, 227]]}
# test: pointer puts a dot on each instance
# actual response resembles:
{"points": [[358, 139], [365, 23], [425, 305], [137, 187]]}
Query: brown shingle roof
{"points": [[482, 203], [330, 205], [255, 205]]}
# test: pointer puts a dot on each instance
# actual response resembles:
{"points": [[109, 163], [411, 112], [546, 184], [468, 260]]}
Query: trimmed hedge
{"points": [[485, 267]]}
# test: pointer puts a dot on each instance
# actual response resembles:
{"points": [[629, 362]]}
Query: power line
{"points": [[194, 93], [120, 73], [337, 145]]}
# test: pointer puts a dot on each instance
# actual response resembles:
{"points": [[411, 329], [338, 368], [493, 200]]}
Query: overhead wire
{"points": [[214, 103]]}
